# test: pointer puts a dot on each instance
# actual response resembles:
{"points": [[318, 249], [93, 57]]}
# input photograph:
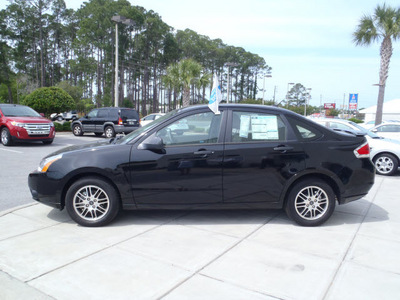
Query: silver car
{"points": [[385, 153]]}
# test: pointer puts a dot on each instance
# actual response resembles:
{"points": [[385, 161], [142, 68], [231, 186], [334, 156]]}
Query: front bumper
{"points": [[45, 190]]}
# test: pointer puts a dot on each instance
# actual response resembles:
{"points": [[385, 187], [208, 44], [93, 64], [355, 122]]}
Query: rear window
{"points": [[129, 114], [303, 130]]}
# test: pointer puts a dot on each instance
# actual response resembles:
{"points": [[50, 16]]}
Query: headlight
{"points": [[22, 125], [47, 162]]}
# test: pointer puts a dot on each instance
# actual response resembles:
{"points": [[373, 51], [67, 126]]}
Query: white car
{"points": [[385, 153], [389, 130], [150, 118]]}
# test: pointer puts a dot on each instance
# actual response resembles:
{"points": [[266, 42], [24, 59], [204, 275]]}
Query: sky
{"points": [[307, 42]]}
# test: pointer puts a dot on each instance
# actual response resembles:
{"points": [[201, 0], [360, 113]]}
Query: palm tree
{"points": [[383, 25], [183, 75]]}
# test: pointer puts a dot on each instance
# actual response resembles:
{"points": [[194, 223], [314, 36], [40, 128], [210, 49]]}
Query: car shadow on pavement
{"points": [[341, 216]]}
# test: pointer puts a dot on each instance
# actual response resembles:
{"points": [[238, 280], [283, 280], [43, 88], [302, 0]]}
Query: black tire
{"points": [[109, 132], [92, 202], [98, 133], [386, 164], [48, 142], [311, 202], [77, 130], [6, 137]]}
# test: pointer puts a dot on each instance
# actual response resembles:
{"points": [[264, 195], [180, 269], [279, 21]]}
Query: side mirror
{"points": [[42, 114], [153, 143]]}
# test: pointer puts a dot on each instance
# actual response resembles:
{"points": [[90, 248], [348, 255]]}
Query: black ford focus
{"points": [[247, 156]]}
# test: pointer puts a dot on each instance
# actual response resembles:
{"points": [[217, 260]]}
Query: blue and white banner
{"points": [[216, 96]]}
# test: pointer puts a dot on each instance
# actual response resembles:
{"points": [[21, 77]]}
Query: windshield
{"points": [[362, 129], [19, 111], [138, 132]]}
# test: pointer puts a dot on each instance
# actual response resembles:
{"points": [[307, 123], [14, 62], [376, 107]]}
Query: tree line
{"points": [[44, 44]]}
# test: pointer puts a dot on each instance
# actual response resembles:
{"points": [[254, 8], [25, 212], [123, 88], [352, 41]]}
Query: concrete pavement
{"points": [[242, 254]]}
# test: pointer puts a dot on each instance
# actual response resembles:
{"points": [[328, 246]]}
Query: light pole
{"points": [[305, 103], [229, 64], [268, 74], [287, 94], [126, 21]]}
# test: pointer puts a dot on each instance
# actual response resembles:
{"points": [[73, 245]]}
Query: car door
{"points": [[390, 131], [261, 154], [88, 122], [102, 117], [188, 170]]}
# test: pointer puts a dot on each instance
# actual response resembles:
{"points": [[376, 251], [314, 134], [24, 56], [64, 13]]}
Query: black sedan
{"points": [[247, 156]]}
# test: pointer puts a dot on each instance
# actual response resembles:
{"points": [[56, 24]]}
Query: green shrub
{"points": [[355, 120], [66, 126], [49, 100]]}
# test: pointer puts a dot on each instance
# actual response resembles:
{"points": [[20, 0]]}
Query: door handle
{"points": [[203, 153], [283, 148]]}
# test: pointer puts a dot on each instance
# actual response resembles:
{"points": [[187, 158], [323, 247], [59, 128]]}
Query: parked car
{"points": [[389, 130], [249, 156], [150, 118], [107, 120], [67, 116], [370, 124], [21, 123], [385, 153]]}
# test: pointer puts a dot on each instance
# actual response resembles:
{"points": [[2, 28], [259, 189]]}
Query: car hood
{"points": [[82, 148], [29, 119]]}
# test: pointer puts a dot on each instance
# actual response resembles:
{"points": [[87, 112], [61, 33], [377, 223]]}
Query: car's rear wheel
{"points": [[92, 201], [386, 164], [109, 132], [77, 130], [311, 202], [6, 137]]}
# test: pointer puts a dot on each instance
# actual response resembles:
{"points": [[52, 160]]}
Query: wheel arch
{"points": [[386, 152], [93, 174], [320, 176]]}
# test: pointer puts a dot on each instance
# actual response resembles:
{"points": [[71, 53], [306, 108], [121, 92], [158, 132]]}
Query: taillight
{"points": [[362, 151], [120, 121]]}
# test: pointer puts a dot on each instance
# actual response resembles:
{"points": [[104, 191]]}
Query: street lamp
{"points": [[287, 94], [229, 64], [268, 74], [305, 103], [126, 21]]}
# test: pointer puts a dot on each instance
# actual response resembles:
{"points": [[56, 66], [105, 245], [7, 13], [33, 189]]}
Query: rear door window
{"points": [[256, 127]]}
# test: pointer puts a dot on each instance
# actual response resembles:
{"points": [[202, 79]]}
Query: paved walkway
{"points": [[205, 254]]}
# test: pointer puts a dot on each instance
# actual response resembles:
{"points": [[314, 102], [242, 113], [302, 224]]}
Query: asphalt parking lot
{"points": [[241, 254]]}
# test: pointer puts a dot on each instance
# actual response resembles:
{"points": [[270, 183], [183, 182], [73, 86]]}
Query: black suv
{"points": [[107, 120]]}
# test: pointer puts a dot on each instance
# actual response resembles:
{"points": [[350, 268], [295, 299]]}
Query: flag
{"points": [[215, 97]]}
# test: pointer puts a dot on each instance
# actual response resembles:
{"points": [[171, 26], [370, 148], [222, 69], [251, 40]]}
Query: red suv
{"points": [[22, 123]]}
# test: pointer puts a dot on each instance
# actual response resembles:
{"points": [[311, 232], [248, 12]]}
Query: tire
{"points": [[109, 132], [386, 164], [77, 130], [92, 202], [311, 202], [47, 142], [6, 137], [98, 133]]}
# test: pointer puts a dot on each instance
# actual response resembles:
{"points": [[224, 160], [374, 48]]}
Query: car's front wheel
{"points": [[92, 201], [6, 137], [77, 130], [311, 202], [386, 164]]}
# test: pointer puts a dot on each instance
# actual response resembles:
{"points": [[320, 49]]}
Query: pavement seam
{"points": [[351, 243], [218, 257], [105, 248]]}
